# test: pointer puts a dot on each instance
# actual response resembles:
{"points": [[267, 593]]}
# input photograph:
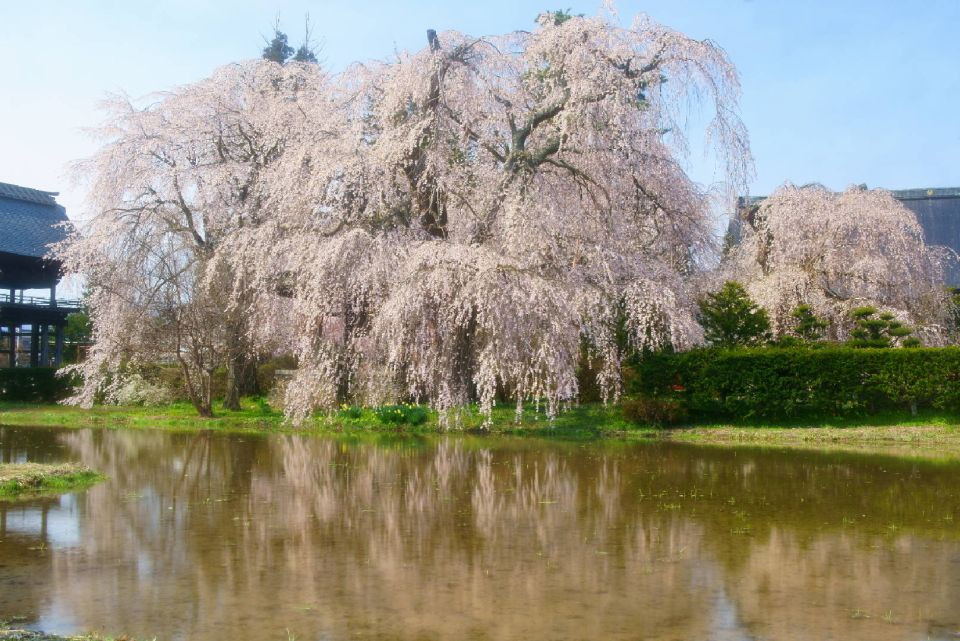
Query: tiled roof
{"points": [[28, 220], [28, 195], [923, 194]]}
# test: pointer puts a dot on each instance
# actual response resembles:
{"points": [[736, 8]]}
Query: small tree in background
{"points": [[883, 330], [556, 18], [810, 327], [77, 332], [731, 319], [278, 49]]}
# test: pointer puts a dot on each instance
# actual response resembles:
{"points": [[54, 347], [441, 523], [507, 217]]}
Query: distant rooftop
{"points": [[29, 220], [923, 194], [27, 194]]}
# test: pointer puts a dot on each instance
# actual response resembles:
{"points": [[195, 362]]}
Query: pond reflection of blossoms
{"points": [[213, 537]]}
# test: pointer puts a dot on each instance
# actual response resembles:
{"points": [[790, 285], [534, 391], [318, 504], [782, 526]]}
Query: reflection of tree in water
{"points": [[25, 527], [227, 536], [24, 555]]}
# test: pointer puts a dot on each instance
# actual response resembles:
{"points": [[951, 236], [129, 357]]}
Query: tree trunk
{"points": [[203, 409], [465, 358], [237, 363], [231, 399], [198, 391]]}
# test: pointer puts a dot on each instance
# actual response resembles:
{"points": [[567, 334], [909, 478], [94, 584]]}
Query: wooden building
{"points": [[31, 327]]}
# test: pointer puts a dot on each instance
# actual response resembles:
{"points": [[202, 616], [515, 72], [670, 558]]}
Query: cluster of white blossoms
{"points": [[839, 251], [489, 208], [461, 223], [172, 183]]}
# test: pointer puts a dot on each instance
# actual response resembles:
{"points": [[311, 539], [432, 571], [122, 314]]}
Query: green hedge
{"points": [[801, 382], [33, 385]]}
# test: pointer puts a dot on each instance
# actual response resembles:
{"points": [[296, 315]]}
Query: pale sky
{"points": [[833, 92]]}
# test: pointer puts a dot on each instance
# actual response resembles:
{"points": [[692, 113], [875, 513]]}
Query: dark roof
{"points": [[925, 194], [28, 220]]}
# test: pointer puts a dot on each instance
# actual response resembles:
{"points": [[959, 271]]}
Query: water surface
{"points": [[216, 536]]}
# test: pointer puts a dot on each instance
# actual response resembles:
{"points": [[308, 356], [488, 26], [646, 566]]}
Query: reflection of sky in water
{"points": [[58, 521], [724, 623], [213, 537]]}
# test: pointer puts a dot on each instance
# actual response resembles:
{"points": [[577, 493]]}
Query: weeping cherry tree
{"points": [[835, 252], [173, 181], [474, 216]]}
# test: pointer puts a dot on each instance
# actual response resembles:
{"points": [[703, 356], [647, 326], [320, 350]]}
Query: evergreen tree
{"points": [[556, 18], [278, 50], [305, 54], [731, 319], [809, 327], [882, 330]]}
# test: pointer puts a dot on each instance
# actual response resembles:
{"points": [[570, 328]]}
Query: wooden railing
{"points": [[39, 301]]}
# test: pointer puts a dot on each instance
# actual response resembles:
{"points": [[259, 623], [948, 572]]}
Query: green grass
{"points": [[937, 431], [14, 634], [28, 480], [586, 421]]}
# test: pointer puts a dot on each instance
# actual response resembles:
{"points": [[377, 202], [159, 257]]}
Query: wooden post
{"points": [[44, 346], [58, 348], [9, 349], [34, 344]]}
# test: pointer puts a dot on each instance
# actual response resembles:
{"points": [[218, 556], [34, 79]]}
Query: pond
{"points": [[215, 536]]}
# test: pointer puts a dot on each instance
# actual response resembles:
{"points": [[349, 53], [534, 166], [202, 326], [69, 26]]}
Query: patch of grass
{"points": [[22, 480], [929, 442], [255, 416], [11, 634], [925, 435]]}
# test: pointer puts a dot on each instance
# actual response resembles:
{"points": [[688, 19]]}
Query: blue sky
{"points": [[834, 92]]}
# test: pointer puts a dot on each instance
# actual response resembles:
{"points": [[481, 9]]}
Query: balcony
{"points": [[31, 329]]}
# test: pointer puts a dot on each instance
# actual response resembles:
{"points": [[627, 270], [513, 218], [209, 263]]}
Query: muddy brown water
{"points": [[216, 536]]}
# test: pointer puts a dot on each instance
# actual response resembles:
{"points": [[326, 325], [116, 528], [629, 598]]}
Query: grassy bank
{"points": [[584, 421], [927, 441], [937, 433], [13, 634], [20, 480]]}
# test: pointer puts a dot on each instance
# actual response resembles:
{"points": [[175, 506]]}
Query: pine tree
{"points": [[731, 319], [278, 50], [884, 330], [809, 327]]}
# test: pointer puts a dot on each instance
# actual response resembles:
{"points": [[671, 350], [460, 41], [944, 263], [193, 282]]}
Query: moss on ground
{"points": [[23, 480]]}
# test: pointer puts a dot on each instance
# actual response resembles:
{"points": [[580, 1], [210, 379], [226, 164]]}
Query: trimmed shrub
{"points": [[798, 382], [34, 385], [659, 412]]}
